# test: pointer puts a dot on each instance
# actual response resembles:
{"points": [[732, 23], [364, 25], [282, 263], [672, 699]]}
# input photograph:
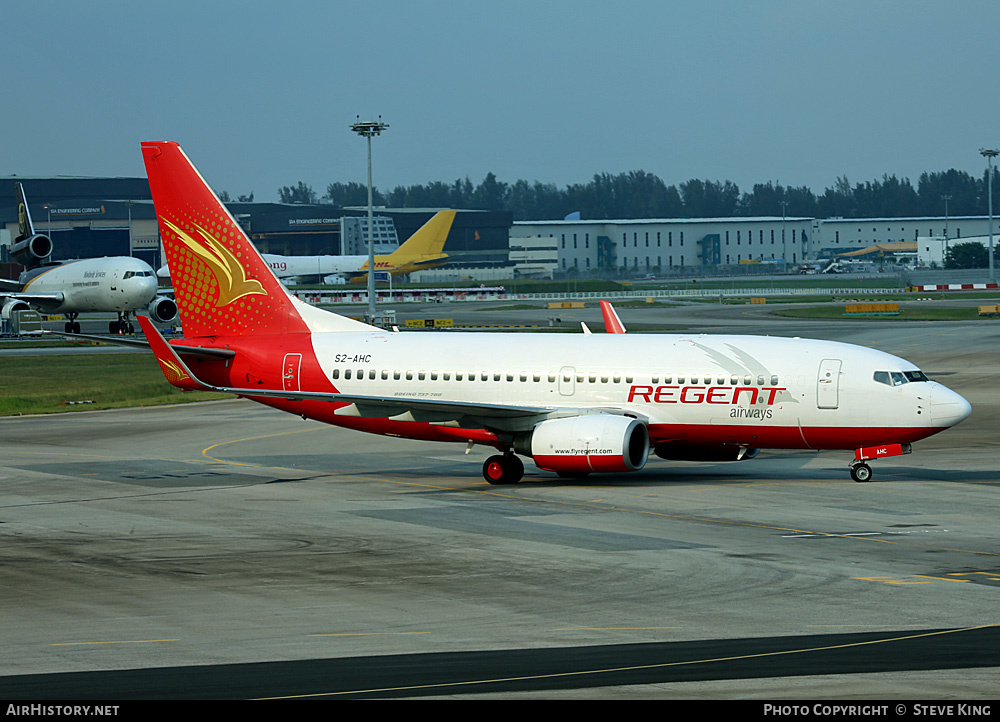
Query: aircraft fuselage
{"points": [[691, 390], [92, 284]]}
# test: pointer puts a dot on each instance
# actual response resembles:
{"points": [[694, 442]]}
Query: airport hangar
{"points": [[92, 217]]}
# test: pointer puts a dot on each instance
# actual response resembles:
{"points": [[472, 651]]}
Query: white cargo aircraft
{"points": [[121, 284], [574, 404]]}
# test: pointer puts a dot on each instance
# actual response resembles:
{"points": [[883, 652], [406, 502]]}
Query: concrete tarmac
{"points": [[226, 550]]}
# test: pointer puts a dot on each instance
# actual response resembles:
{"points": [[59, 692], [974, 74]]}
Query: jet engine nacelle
{"points": [[705, 452], [163, 309], [31, 250], [582, 444], [11, 307]]}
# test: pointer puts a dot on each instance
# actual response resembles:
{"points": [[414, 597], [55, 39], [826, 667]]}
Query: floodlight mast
{"points": [[367, 129], [990, 154]]}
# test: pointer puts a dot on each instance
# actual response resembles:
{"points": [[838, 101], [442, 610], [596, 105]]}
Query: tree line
{"points": [[638, 194]]}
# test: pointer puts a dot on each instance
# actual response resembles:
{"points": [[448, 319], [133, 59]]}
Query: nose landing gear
{"points": [[122, 326], [862, 472]]}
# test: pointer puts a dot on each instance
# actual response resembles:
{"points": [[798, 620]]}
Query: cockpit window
{"points": [[898, 378], [128, 274]]}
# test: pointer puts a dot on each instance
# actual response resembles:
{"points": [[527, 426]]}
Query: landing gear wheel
{"points": [[76, 327], [503, 469], [113, 328], [861, 472]]}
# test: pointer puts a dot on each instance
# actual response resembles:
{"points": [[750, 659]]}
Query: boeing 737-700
{"points": [[120, 284], [573, 404]]}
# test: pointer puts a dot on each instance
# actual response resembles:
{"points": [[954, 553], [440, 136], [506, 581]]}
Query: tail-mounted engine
{"points": [[32, 251], [582, 444]]}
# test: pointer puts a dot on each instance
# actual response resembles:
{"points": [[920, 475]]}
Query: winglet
{"points": [[173, 367], [612, 324]]}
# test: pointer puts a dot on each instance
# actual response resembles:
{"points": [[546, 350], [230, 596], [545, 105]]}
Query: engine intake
{"points": [[163, 309], [582, 444]]}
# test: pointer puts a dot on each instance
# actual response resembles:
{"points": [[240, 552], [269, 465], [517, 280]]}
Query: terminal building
{"points": [[714, 245], [93, 217], [684, 245]]}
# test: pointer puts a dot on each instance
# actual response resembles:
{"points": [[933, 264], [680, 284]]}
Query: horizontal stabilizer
{"points": [[198, 351]]}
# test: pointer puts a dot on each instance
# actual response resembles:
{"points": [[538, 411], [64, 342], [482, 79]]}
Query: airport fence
{"points": [[331, 298]]}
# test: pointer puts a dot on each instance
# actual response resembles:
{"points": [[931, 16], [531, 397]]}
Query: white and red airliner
{"points": [[574, 404]]}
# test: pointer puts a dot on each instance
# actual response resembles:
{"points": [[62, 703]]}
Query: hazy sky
{"points": [[261, 94]]}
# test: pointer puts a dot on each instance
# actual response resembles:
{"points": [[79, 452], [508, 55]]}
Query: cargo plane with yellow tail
{"points": [[424, 249]]}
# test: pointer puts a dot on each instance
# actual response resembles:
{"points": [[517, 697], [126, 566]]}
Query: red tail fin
{"points": [[222, 285]]}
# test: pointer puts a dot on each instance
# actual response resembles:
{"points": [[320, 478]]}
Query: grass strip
{"points": [[85, 382]]}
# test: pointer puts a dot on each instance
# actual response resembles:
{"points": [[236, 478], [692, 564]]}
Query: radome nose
{"points": [[149, 285], [947, 407]]}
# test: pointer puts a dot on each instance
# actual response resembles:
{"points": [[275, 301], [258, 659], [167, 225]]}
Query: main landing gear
{"points": [[503, 469], [72, 325], [123, 326]]}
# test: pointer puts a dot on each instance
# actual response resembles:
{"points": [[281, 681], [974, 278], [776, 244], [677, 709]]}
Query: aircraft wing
{"points": [[505, 417], [7, 284], [39, 300]]}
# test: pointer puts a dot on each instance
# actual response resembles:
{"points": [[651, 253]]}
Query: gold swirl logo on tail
{"points": [[233, 282], [174, 373]]}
